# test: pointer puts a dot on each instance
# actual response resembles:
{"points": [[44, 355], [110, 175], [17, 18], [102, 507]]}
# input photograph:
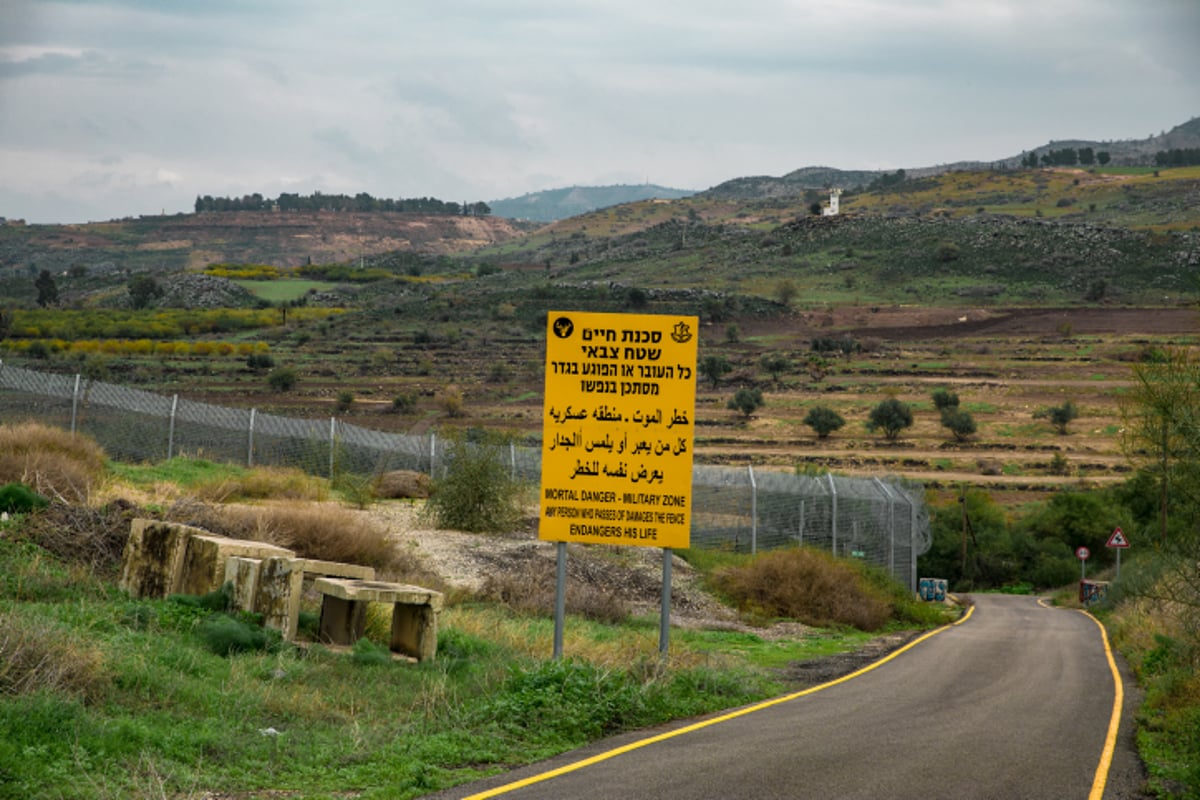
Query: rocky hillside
{"points": [[170, 243]]}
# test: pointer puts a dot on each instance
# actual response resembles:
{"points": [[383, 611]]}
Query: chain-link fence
{"points": [[883, 522]]}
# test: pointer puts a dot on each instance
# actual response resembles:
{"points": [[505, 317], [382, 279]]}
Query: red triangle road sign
{"points": [[1117, 539]]}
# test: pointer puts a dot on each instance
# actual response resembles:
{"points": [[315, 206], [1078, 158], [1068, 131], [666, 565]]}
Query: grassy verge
{"points": [[1154, 624], [109, 697], [103, 696]]}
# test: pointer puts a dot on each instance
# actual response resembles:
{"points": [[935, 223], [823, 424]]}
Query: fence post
{"points": [[250, 441], [753, 510], [891, 525], [74, 403], [912, 543], [432, 453], [171, 427], [833, 511], [800, 532], [512, 459], [332, 443]]}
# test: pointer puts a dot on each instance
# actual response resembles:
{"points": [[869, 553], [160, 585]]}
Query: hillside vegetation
{"points": [[1042, 299]]}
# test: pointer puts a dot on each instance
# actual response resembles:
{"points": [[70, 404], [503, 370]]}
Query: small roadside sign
{"points": [[1117, 539], [1082, 553]]}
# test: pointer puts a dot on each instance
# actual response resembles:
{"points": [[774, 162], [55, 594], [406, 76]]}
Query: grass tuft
{"points": [[225, 635], [37, 656], [51, 461], [261, 483], [531, 590]]}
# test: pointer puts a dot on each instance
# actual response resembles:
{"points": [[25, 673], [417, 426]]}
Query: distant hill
{"points": [[556, 204], [1129, 152], [794, 183]]}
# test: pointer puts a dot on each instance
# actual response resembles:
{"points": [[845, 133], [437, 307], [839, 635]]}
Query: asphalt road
{"points": [[1016, 702]]}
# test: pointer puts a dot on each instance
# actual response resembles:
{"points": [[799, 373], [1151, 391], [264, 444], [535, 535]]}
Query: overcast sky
{"points": [[128, 107]]}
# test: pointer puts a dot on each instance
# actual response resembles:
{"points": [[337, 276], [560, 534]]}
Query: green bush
{"points": [[943, 398], [959, 422], [404, 403], [1059, 416], [746, 400], [823, 421], [283, 379], [369, 654], [17, 498], [477, 492], [224, 635], [892, 416], [567, 700]]}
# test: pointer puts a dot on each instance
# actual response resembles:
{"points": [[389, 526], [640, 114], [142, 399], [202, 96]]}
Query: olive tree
{"points": [[823, 421], [746, 400], [891, 416]]}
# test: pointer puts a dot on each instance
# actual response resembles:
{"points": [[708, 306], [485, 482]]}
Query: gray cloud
{"points": [[467, 100]]}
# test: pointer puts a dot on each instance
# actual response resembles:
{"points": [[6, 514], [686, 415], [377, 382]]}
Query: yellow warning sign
{"points": [[618, 426]]}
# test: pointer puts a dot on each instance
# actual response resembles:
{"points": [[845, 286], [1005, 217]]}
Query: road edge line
{"points": [[1100, 780], [741, 712]]}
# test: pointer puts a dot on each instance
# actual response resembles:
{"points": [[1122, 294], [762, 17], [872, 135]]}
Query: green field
{"points": [[284, 291]]}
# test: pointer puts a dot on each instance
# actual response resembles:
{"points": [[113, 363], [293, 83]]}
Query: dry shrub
{"points": [[38, 656], [804, 584], [263, 483], [403, 484], [529, 588], [314, 530], [52, 461], [84, 535]]}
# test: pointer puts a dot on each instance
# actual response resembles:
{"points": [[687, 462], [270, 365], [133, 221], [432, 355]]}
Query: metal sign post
{"points": [[1082, 554], [1118, 541], [617, 435]]}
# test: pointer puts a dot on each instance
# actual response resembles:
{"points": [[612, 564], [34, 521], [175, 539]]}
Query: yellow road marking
{"points": [[1114, 721], [586, 762]]}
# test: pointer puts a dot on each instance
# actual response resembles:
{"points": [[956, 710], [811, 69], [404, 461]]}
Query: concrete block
{"points": [[153, 557], [278, 594], [310, 569], [203, 568], [414, 613], [243, 573]]}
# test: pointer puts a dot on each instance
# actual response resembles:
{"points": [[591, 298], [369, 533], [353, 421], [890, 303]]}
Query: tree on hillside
{"points": [[47, 289], [1103, 157], [1160, 436], [785, 292], [943, 398], [1059, 416], [714, 368], [283, 379], [775, 363], [960, 422], [746, 400], [823, 421], [143, 290], [891, 416]]}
